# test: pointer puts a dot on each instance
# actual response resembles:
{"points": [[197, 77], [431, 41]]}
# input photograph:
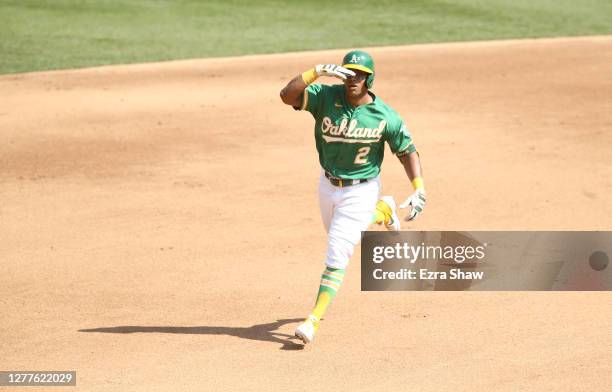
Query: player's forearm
{"points": [[291, 94], [412, 166]]}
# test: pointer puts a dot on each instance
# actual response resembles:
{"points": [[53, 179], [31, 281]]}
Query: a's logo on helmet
{"points": [[355, 59]]}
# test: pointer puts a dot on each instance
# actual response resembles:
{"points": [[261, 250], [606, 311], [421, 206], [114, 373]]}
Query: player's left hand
{"points": [[417, 202]]}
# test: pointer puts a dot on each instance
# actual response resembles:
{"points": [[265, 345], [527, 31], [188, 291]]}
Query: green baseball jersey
{"points": [[350, 140]]}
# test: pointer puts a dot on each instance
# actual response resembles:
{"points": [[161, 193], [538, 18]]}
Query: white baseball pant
{"points": [[346, 212]]}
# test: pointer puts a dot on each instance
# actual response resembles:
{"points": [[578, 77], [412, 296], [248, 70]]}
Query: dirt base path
{"points": [[160, 230]]}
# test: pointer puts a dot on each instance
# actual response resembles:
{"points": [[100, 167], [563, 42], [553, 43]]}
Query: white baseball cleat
{"points": [[307, 329], [394, 224]]}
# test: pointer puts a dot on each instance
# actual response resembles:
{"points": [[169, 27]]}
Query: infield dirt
{"points": [[160, 230]]}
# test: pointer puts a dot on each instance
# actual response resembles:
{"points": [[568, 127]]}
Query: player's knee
{"points": [[340, 248]]}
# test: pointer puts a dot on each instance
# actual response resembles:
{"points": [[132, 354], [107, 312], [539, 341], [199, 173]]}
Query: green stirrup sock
{"points": [[330, 284]]}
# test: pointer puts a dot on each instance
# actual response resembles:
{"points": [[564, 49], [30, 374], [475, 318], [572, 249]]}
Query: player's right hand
{"points": [[333, 70]]}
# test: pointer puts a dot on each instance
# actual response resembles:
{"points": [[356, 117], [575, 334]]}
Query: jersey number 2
{"points": [[361, 156]]}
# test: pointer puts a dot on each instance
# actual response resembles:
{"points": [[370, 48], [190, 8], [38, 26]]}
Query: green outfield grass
{"points": [[41, 35]]}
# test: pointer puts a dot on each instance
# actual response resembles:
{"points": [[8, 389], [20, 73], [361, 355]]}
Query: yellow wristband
{"points": [[418, 183], [309, 76]]}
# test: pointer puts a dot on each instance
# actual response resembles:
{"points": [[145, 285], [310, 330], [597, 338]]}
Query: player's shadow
{"points": [[262, 332]]}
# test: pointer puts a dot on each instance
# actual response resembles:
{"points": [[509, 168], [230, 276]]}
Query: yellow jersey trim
{"points": [[304, 100]]}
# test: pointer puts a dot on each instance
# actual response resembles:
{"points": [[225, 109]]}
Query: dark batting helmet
{"points": [[362, 61]]}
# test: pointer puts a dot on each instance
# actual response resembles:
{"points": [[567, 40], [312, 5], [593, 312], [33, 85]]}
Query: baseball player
{"points": [[351, 126]]}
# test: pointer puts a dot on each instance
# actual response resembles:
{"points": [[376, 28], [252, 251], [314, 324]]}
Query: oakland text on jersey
{"points": [[349, 130]]}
